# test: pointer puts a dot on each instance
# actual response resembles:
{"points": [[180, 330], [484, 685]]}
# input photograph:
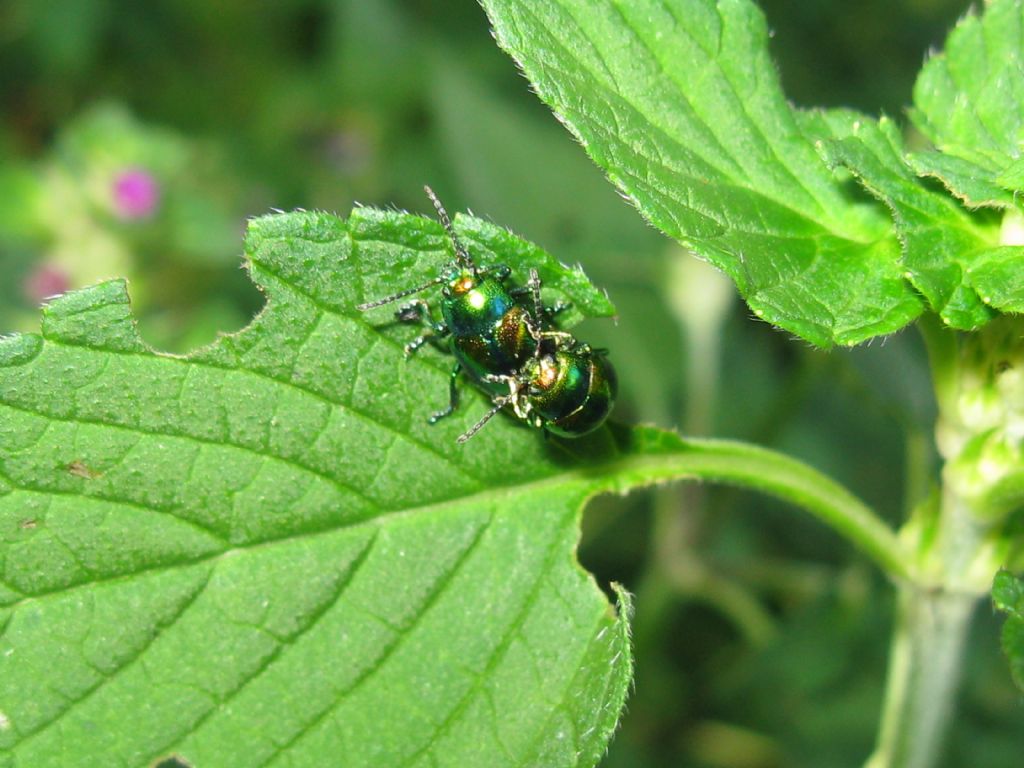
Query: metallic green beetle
{"points": [[503, 338]]}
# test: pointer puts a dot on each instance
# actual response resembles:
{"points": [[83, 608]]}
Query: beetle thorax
{"points": [[474, 306]]}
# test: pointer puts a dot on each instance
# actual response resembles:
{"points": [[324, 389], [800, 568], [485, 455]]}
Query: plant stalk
{"points": [[760, 469], [924, 674], [935, 607]]}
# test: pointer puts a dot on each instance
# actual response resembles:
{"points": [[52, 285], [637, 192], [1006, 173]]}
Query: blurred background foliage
{"points": [[135, 139]]}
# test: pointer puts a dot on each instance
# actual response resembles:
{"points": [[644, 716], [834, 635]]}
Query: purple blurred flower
{"points": [[46, 281], [136, 193]]}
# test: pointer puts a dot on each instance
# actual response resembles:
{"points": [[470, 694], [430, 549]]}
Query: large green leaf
{"points": [[261, 554], [1008, 597], [969, 100], [680, 104], [955, 262]]}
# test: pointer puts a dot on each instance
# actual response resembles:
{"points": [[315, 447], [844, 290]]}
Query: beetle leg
{"points": [[419, 341], [418, 311], [517, 387], [498, 404], [423, 338], [562, 339], [453, 396]]}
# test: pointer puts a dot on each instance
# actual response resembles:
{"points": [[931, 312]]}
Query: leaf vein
{"points": [[497, 654], [283, 644], [316, 394], [437, 590], [92, 689], [187, 436]]}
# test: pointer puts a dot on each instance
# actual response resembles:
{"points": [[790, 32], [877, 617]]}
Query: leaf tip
{"points": [[623, 605], [98, 316], [19, 349], [1008, 593]]}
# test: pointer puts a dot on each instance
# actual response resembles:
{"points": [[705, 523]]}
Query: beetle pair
{"points": [[506, 341]]}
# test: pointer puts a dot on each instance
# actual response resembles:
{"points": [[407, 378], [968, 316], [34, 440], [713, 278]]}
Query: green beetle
{"points": [[568, 390], [504, 339]]}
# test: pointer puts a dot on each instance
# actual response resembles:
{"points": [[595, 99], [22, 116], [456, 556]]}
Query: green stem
{"points": [[955, 559], [927, 647], [918, 450], [924, 673], [776, 474]]}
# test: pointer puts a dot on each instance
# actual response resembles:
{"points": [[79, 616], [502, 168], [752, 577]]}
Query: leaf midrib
{"points": [[583, 477]]}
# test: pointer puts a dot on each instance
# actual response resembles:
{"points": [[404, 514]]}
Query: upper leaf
{"points": [[680, 104], [261, 554], [954, 261], [1008, 596], [969, 100], [970, 183]]}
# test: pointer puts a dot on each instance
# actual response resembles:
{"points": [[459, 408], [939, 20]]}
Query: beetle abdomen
{"points": [[579, 396]]}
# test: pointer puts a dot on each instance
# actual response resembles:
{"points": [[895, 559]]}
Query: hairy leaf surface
{"points": [[969, 100], [1008, 597], [261, 554], [681, 105], [955, 262]]}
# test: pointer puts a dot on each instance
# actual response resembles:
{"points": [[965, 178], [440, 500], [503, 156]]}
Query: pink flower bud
{"points": [[136, 193], [46, 281]]}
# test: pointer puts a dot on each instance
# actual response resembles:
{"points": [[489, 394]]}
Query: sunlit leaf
{"points": [[955, 262], [969, 100], [261, 554], [680, 104]]}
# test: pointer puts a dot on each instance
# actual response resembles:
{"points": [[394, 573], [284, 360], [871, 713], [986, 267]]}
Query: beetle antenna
{"points": [[399, 295], [498, 405], [461, 254]]}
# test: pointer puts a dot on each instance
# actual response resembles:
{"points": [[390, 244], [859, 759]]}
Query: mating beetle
{"points": [[503, 338]]}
